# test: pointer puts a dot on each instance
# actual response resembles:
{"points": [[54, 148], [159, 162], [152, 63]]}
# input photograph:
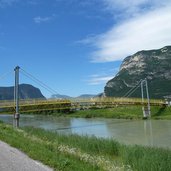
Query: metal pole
{"points": [[142, 91], [148, 98], [142, 95], [16, 97]]}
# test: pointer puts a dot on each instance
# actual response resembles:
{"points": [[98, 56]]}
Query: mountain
{"points": [[86, 96], [59, 96], [155, 65], [26, 91]]}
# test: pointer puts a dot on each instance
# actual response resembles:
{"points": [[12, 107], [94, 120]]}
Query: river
{"points": [[142, 132]]}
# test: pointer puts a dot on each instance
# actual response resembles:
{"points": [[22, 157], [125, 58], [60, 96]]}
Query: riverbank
{"points": [[117, 112], [120, 112], [73, 152]]}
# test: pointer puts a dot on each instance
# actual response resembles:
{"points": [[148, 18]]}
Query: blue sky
{"points": [[76, 46]]}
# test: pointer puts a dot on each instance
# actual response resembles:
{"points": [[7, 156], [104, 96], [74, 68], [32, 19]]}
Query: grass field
{"points": [[73, 152]]}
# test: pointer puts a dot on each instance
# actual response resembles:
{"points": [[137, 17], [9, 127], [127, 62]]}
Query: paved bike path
{"points": [[11, 159]]}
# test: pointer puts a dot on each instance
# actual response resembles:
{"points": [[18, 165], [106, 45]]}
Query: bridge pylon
{"points": [[146, 108], [16, 98]]}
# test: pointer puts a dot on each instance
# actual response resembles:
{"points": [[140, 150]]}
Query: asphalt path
{"points": [[12, 159]]}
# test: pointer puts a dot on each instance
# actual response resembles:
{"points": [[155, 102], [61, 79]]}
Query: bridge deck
{"points": [[44, 105]]}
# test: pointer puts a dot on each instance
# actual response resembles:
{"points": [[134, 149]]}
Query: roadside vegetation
{"points": [[73, 152]]}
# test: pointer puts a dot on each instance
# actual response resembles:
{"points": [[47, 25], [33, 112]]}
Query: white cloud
{"points": [[4, 3], [149, 31], [97, 79], [33, 2], [102, 77], [129, 8], [39, 19], [144, 25]]}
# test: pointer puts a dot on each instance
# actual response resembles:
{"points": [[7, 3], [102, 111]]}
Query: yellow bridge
{"points": [[40, 106]]}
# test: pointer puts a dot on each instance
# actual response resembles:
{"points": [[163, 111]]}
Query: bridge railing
{"points": [[73, 104], [8, 103], [88, 100], [119, 100]]}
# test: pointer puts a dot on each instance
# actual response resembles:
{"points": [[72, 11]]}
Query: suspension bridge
{"points": [[17, 105]]}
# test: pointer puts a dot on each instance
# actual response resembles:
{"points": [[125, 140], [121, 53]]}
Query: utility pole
{"points": [[16, 97]]}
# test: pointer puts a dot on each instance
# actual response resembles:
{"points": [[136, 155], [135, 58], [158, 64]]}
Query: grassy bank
{"points": [[121, 112], [72, 152], [43, 150]]}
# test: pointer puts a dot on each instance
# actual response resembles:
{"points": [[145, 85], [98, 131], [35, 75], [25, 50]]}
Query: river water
{"points": [[143, 132]]}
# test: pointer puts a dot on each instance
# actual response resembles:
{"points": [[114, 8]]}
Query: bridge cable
{"points": [[132, 89], [5, 75], [40, 83]]}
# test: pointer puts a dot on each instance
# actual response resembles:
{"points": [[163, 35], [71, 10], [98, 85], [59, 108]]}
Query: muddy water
{"points": [[142, 132]]}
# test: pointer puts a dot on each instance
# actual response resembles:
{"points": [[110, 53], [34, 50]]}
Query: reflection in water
{"points": [[148, 132], [143, 132]]}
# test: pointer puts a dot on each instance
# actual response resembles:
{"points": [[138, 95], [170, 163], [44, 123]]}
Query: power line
{"points": [[40, 83]]}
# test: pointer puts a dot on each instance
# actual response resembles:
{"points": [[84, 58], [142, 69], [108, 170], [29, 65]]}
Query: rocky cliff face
{"points": [[26, 91], [155, 65]]}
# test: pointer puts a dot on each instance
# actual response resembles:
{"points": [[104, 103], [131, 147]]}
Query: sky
{"points": [[76, 46]]}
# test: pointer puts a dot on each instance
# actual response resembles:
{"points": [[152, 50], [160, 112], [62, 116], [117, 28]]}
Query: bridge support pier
{"points": [[16, 98]]}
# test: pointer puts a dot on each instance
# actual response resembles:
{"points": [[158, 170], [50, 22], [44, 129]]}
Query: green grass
{"points": [[124, 112], [161, 113], [119, 112], [93, 145], [42, 151], [73, 152], [146, 158]]}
